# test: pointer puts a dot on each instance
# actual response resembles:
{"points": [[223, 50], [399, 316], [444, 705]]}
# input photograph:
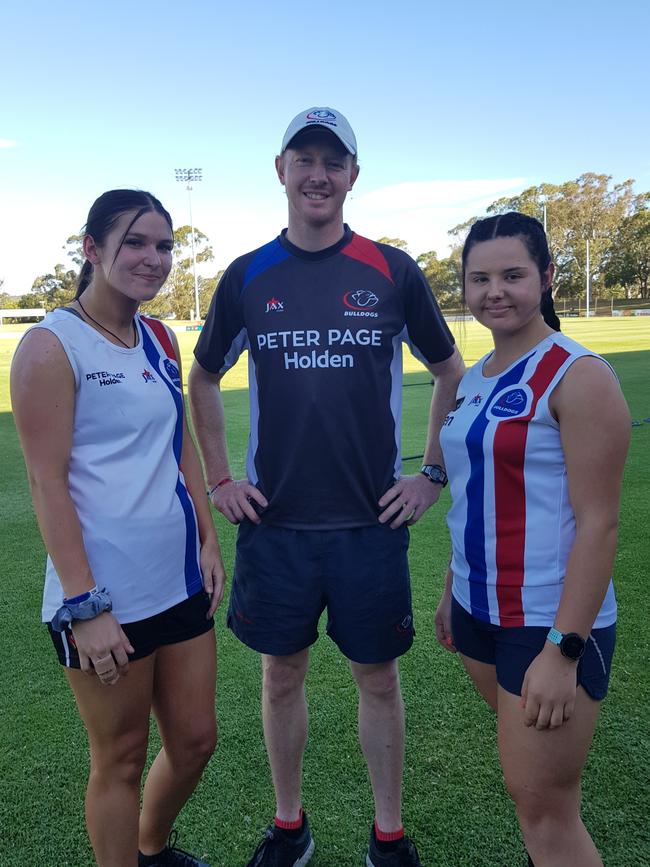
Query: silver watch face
{"points": [[435, 474]]}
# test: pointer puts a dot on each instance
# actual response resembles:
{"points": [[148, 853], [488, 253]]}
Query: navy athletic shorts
{"points": [[512, 649], [179, 623], [284, 579]]}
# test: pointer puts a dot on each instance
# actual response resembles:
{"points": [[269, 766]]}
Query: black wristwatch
{"points": [[571, 644], [435, 474]]}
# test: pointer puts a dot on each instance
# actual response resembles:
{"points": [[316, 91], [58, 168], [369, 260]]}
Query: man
{"points": [[323, 512]]}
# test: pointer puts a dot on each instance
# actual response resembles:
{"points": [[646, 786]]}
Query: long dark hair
{"points": [[516, 225], [105, 212]]}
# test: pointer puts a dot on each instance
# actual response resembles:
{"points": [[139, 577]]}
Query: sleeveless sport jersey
{"points": [[324, 332], [511, 522], [138, 521]]}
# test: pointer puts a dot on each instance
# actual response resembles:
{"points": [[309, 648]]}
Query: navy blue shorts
{"points": [[284, 579], [512, 649], [179, 623]]}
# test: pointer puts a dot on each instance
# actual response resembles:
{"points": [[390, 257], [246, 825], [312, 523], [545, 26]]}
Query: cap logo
{"points": [[321, 114]]}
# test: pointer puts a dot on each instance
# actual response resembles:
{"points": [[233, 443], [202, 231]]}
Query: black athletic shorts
{"points": [[179, 623], [284, 579], [512, 649]]}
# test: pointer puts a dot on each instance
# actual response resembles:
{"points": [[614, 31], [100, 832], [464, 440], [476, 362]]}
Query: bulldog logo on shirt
{"points": [[172, 372], [511, 402]]}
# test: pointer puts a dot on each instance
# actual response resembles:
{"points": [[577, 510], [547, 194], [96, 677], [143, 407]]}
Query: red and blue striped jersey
{"points": [[511, 520]]}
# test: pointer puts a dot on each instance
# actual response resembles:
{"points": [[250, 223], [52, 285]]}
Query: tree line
{"points": [[590, 213], [175, 300]]}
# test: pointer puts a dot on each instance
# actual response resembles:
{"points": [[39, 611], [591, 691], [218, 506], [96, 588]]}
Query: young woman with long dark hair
{"points": [[134, 571], [534, 450]]}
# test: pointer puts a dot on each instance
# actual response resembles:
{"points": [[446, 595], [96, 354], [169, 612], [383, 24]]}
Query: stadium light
{"points": [[189, 177]]}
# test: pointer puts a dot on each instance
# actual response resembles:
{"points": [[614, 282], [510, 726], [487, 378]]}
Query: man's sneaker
{"points": [[171, 856], [403, 855], [280, 849]]}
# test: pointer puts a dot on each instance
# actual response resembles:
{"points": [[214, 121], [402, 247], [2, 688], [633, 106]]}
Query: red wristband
{"points": [[219, 485]]}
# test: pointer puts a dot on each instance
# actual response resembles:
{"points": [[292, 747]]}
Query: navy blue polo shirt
{"points": [[324, 332]]}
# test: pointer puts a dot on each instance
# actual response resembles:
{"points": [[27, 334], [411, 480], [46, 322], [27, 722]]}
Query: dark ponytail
{"points": [[105, 212], [516, 225], [84, 278], [547, 309]]}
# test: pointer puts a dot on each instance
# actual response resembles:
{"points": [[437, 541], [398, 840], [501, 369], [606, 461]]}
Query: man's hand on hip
{"points": [[407, 500]]}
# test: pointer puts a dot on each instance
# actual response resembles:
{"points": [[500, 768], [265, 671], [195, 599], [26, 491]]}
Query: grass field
{"points": [[455, 805]]}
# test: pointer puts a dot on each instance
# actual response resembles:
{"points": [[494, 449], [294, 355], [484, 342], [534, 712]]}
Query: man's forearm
{"points": [[208, 418], [446, 377]]}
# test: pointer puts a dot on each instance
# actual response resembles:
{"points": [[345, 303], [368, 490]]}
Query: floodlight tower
{"points": [[190, 176]]}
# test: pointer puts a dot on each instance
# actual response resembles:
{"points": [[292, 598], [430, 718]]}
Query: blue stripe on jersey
{"points": [[270, 254], [193, 579], [475, 492], [154, 359]]}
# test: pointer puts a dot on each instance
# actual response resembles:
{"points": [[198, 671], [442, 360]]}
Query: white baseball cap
{"points": [[326, 118]]}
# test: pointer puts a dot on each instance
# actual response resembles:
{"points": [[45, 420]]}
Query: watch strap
{"points": [[435, 473]]}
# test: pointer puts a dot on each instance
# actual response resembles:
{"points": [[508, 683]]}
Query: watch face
{"points": [[572, 646], [435, 473]]}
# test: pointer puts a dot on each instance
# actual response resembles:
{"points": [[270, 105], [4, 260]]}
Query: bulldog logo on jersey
{"points": [[358, 300], [511, 402], [172, 372]]}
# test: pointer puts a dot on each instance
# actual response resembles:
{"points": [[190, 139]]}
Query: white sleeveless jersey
{"points": [[137, 518], [511, 522]]}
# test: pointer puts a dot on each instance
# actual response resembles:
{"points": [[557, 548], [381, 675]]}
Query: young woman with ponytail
{"points": [[134, 571], [534, 450]]}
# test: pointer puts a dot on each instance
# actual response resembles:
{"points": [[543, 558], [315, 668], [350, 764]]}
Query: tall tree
{"points": [[588, 209], [55, 289], [7, 301], [443, 276], [628, 261], [75, 251]]}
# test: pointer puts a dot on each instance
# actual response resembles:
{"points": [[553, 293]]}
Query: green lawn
{"points": [[454, 801]]}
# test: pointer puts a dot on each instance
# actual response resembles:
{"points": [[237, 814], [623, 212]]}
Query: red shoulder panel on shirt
{"points": [[366, 251], [161, 333]]}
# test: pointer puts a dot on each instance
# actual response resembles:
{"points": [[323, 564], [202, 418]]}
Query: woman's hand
{"points": [[442, 621], [214, 576], [102, 642], [549, 690]]}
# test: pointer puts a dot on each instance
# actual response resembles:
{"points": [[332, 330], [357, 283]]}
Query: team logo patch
{"points": [[511, 402], [148, 376], [360, 299], [172, 372], [321, 116], [273, 305], [476, 400]]}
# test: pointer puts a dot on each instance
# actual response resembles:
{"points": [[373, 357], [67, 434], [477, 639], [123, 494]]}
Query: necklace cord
{"points": [[108, 330]]}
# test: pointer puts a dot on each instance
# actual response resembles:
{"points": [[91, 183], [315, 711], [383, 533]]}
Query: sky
{"points": [[453, 105]]}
